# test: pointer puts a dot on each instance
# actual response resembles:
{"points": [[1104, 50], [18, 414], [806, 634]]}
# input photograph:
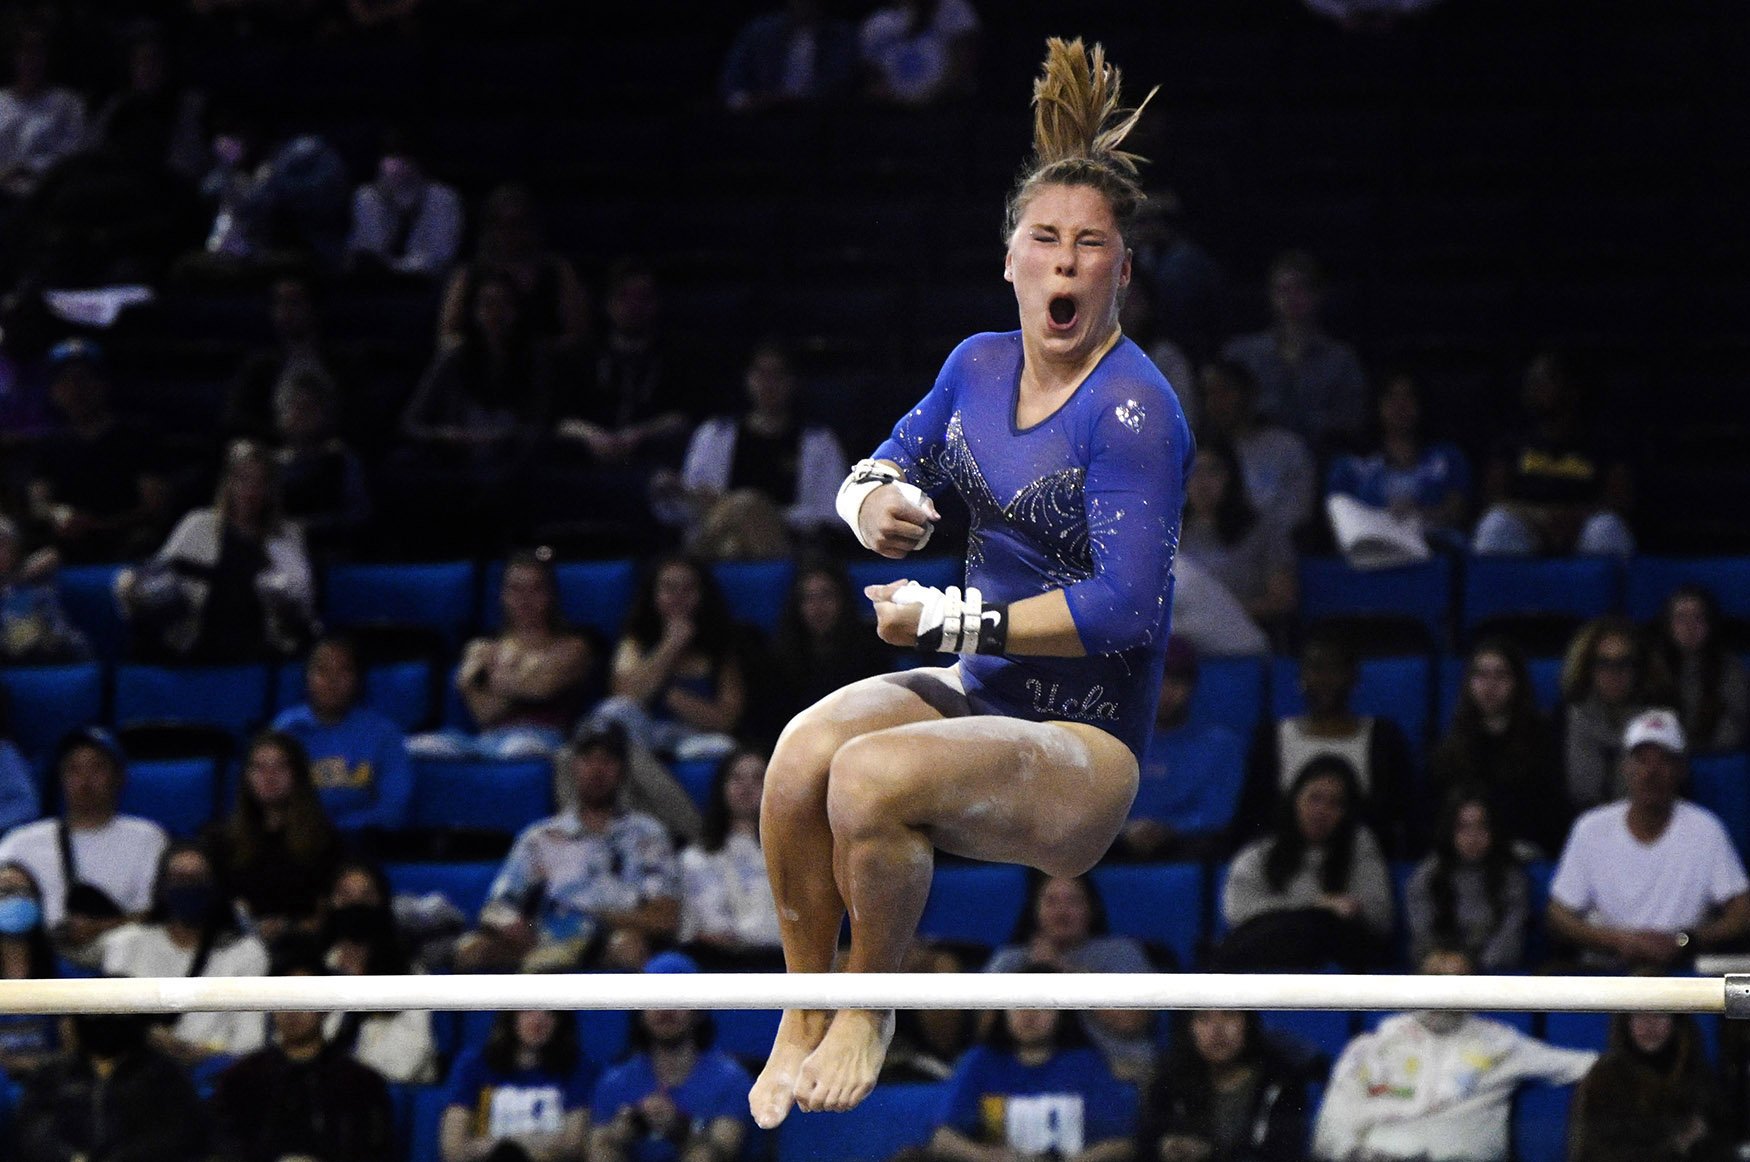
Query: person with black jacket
{"points": [[1223, 1094]]}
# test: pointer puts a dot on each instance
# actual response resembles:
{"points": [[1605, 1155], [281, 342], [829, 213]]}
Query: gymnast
{"points": [[1071, 452]]}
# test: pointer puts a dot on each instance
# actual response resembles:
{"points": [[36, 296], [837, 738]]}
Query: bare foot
{"points": [[842, 1071], [800, 1032]]}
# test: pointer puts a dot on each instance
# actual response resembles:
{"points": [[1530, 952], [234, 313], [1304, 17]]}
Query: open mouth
{"points": [[1062, 310]]}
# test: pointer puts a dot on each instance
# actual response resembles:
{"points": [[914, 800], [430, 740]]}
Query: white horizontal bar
{"points": [[869, 990]]}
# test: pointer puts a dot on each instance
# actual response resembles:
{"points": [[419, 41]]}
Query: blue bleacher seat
{"points": [[939, 572], [746, 1033], [1540, 1123], [88, 595], [440, 596], [1721, 783], [44, 703], [424, 1119], [232, 697], [1394, 688], [891, 1119], [1650, 581], [180, 795], [696, 776], [400, 691], [1578, 1030], [481, 794], [975, 902], [1230, 693], [464, 884], [1539, 872], [591, 593], [755, 590], [1581, 586], [1159, 903], [1320, 1029], [1330, 586]]}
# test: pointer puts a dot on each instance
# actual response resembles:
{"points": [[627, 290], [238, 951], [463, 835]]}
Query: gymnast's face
{"points": [[1068, 263]]}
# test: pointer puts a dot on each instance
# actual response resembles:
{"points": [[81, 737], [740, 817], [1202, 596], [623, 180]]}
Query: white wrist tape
{"points": [[952, 622], [865, 478]]}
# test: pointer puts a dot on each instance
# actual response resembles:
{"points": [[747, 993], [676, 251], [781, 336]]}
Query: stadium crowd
{"points": [[259, 371]]}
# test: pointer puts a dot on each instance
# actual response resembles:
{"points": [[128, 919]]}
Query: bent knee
{"points": [[871, 785]]}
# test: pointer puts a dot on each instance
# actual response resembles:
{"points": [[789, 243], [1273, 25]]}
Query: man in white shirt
{"points": [[40, 123], [404, 221], [1650, 879], [96, 868], [1434, 1086]]}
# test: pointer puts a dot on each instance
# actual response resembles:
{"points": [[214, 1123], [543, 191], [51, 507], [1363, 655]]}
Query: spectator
{"points": [[170, 115], [358, 758], [1032, 1089], [1434, 1086], [1712, 688], [27, 1040], [278, 850], [588, 886], [649, 787], [301, 1097], [96, 486], [322, 481], [800, 55], [404, 222], [1315, 892], [40, 122], [919, 52], [1186, 282], [1063, 927], [191, 931], [747, 480], [1652, 1097], [1141, 322], [1652, 879], [1250, 557], [19, 801], [523, 1095], [1224, 1094], [512, 245], [233, 582], [1404, 474], [727, 911], [1307, 381], [1553, 486], [677, 681], [489, 391], [252, 402], [112, 1097], [1470, 892], [1275, 466], [1191, 774], [1500, 740], [675, 1099], [524, 685], [1605, 683], [1374, 748], [362, 939], [273, 204], [96, 868], [34, 629], [821, 643]]}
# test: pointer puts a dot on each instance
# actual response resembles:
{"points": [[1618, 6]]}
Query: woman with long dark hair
{"points": [[27, 1040], [492, 388], [1470, 892], [1711, 686], [677, 681], [821, 644], [192, 931], [1652, 1097], [728, 916], [277, 851], [1314, 892], [1226, 536], [1223, 1094], [1502, 741], [523, 1095]]}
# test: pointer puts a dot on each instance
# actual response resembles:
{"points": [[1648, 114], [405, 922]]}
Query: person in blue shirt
{"points": [[1033, 1089], [1071, 452], [1192, 773], [524, 1094], [675, 1099], [358, 757], [1405, 473]]}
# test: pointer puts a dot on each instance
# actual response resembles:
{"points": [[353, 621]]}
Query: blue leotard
{"points": [[1086, 501]]}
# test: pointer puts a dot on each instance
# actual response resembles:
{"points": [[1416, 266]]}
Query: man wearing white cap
{"points": [[1649, 880]]}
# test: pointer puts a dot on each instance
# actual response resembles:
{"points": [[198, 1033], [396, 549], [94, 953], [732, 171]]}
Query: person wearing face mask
{"points": [[113, 1097], [27, 1040], [360, 938], [404, 221], [1434, 1086], [191, 931]]}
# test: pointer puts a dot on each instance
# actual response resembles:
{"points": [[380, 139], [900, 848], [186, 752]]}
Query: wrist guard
{"points": [[952, 622], [865, 478]]}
